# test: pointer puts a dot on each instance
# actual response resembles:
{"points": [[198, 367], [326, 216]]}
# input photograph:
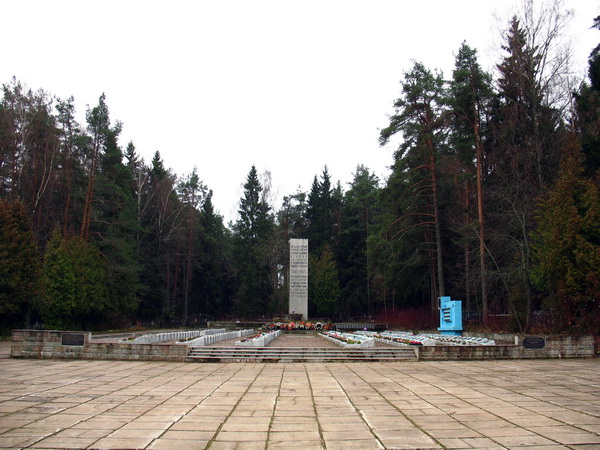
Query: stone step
{"points": [[347, 353], [304, 358], [299, 354]]}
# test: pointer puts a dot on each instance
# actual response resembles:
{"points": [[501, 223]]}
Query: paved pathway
{"points": [[548, 404]]}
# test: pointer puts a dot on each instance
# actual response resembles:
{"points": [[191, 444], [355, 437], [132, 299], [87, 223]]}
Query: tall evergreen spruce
{"points": [[19, 268], [192, 193], [470, 97], [320, 212], [524, 155], [325, 285], [161, 222], [214, 280], [359, 213], [566, 246], [114, 224], [252, 232]]}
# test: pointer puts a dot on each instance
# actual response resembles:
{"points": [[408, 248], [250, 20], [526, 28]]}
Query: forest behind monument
{"points": [[493, 198]]}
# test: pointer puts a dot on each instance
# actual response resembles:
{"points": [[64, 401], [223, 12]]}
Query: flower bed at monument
{"points": [[400, 338], [349, 340], [298, 326], [406, 338]]}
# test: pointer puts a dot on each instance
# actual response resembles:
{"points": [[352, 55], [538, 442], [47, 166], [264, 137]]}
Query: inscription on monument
{"points": [[299, 277], [72, 339], [534, 342]]}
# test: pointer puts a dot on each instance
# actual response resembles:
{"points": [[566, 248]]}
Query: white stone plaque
{"points": [[299, 277]]}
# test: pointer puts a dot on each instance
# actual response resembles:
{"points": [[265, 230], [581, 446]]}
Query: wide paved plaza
{"points": [[547, 404]]}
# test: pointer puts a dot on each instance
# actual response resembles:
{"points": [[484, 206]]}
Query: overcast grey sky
{"points": [[290, 86]]}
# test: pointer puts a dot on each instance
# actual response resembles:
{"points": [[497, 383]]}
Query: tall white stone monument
{"points": [[299, 277]]}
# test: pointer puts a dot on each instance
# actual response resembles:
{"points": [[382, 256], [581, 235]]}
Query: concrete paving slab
{"points": [[218, 445], [235, 426], [171, 444], [293, 436], [356, 444], [68, 443], [114, 404], [79, 433], [17, 441], [242, 436], [469, 443], [342, 423], [188, 435], [344, 433], [110, 442], [592, 428], [523, 440], [303, 444], [303, 427], [410, 443], [240, 412]]}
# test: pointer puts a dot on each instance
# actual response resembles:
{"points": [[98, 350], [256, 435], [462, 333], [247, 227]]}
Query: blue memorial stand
{"points": [[450, 316]]}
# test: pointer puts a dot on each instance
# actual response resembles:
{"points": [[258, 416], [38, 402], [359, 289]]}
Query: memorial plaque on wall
{"points": [[534, 342], [73, 339], [299, 277]]}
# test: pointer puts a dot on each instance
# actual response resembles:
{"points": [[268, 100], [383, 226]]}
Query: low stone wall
{"points": [[79, 345], [556, 346], [466, 352], [525, 347]]}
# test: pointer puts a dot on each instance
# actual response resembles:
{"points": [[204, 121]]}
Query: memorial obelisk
{"points": [[299, 277]]}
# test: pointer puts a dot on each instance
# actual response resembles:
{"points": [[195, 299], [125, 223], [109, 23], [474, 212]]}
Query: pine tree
{"points": [[29, 152], [99, 129], [71, 136], [419, 117], [292, 216]]}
